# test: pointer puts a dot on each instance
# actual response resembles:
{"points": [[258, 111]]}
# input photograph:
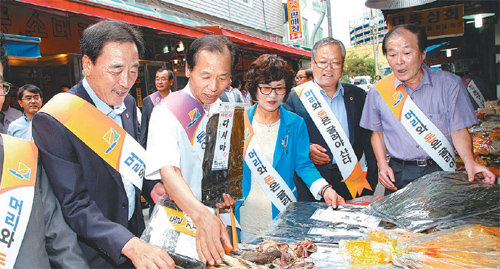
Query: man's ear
{"points": [[188, 72], [86, 65], [20, 103]]}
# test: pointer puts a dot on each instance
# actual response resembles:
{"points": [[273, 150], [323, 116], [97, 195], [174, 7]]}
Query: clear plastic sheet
{"points": [[442, 200], [166, 230], [301, 221], [217, 182], [470, 246], [319, 222]]}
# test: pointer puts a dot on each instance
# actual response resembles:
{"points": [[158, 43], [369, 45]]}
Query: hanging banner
{"points": [[294, 19], [438, 22], [223, 140]]}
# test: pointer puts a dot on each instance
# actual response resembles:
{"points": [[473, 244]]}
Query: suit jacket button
{"points": [[124, 205]]}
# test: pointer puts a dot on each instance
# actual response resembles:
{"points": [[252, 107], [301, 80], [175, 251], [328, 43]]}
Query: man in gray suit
{"points": [[48, 240]]}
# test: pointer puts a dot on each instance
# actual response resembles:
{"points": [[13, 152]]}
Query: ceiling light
{"points": [[180, 48]]}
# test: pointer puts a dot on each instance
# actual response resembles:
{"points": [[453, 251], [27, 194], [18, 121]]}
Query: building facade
{"points": [[310, 11], [367, 28]]}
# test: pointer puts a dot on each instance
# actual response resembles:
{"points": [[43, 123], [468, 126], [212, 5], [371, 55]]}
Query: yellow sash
{"points": [[100, 133], [421, 129], [17, 190]]}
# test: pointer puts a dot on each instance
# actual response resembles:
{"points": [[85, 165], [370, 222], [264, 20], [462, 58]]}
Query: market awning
{"points": [[22, 46], [253, 42], [433, 47], [122, 11]]}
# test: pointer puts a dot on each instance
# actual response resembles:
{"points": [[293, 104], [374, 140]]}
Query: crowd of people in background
{"points": [[322, 139]]}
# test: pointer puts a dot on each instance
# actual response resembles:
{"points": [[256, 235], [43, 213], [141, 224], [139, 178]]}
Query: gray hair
{"points": [[327, 41]]}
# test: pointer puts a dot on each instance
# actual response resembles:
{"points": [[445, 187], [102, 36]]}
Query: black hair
{"points": [[266, 69], [30, 88], [212, 43], [415, 29], [4, 61], [97, 35], [170, 72], [236, 83], [308, 71]]}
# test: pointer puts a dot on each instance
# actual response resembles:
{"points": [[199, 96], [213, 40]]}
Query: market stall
{"points": [[439, 219]]}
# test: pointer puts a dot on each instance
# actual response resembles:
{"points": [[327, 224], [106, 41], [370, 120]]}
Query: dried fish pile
{"points": [[270, 254]]}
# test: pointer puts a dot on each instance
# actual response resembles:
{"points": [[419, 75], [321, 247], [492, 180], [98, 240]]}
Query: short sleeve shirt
{"points": [[169, 145], [442, 98], [21, 128]]}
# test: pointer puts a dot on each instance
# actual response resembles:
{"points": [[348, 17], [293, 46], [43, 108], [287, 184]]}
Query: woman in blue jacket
{"points": [[283, 141]]}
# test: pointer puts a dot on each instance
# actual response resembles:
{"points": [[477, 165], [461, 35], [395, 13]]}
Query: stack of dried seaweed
{"points": [[217, 182], [442, 200]]}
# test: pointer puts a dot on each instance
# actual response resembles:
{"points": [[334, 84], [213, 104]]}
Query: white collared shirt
{"points": [[115, 114], [168, 145]]}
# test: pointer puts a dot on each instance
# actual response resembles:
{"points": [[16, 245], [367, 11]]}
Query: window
{"points": [[305, 32], [246, 2]]}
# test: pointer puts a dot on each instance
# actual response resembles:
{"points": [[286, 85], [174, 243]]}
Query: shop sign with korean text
{"points": [[294, 19], [438, 22]]}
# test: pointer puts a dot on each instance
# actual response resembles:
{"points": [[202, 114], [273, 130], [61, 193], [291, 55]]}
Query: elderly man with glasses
{"points": [[30, 99], [339, 147]]}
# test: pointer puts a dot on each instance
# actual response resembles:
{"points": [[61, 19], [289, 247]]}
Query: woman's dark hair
{"points": [[268, 68], [97, 35], [211, 43], [420, 32]]}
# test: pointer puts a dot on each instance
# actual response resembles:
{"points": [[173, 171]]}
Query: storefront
{"points": [[463, 36], [59, 25]]}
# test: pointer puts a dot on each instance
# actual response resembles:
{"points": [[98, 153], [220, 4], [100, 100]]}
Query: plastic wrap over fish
{"points": [[442, 200], [218, 181], [173, 231], [469, 246], [322, 225]]}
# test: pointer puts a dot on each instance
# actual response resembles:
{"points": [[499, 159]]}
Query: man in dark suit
{"points": [[48, 241], [346, 102], [163, 81], [100, 204]]}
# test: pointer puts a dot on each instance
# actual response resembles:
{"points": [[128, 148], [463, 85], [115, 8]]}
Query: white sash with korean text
{"points": [[423, 130], [335, 137], [17, 190], [475, 93], [270, 181], [223, 141]]}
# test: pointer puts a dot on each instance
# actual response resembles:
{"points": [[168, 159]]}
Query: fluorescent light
{"points": [[478, 21]]}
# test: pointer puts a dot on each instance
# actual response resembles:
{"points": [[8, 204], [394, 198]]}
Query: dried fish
{"points": [[271, 254]]}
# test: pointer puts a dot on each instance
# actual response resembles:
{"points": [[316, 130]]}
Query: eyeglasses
{"points": [[28, 98], [266, 90], [300, 77], [4, 87], [162, 79], [324, 64]]}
